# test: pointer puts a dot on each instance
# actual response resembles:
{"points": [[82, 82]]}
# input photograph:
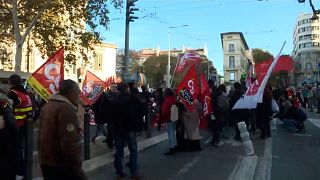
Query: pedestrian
{"points": [[265, 113], [221, 111], [169, 101], [317, 101], [99, 117], [237, 115], [305, 97], [59, 135], [125, 131], [145, 99], [22, 106], [139, 109], [8, 133], [310, 99], [159, 101], [191, 122]]}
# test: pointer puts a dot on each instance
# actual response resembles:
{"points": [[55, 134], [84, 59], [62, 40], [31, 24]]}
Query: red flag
{"points": [[205, 94], [188, 88], [285, 63], [47, 78], [188, 57], [92, 88]]}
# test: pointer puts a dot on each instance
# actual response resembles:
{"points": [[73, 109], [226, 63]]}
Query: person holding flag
{"points": [[188, 93]]}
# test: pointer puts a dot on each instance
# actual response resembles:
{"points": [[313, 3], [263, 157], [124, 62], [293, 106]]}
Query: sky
{"points": [[265, 24]]}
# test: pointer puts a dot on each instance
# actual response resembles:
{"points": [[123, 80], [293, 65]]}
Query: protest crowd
{"points": [[122, 111]]}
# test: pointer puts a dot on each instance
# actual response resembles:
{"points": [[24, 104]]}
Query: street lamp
{"points": [[169, 49]]}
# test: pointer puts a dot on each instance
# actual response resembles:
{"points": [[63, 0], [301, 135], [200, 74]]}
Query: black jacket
{"points": [[98, 109], [123, 120], [7, 143]]}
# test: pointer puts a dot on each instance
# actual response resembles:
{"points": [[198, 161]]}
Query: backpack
{"points": [[174, 113]]}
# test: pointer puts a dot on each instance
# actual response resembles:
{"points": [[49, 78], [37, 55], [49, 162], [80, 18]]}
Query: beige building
{"points": [[101, 60], [306, 49], [235, 55]]}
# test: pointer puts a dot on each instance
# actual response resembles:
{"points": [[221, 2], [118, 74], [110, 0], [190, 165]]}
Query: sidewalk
{"points": [[100, 154]]}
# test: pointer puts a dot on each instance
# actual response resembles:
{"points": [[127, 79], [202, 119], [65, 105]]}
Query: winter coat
{"points": [[123, 113], [166, 107], [191, 122], [222, 107], [237, 115], [59, 137], [98, 110], [7, 139]]}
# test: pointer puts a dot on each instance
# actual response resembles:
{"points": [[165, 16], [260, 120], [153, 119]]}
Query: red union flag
{"points": [[188, 57], [285, 63], [254, 93], [47, 78], [205, 96], [92, 88], [188, 88]]}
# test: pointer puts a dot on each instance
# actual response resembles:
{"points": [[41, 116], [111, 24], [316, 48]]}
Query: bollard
{"points": [[86, 132], [29, 147], [148, 123], [247, 143]]}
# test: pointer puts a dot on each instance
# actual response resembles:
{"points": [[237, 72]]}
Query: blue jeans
{"points": [[171, 129], [100, 127], [121, 141], [291, 124]]}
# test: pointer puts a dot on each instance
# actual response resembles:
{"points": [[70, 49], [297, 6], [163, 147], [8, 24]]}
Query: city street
{"points": [[286, 155]]}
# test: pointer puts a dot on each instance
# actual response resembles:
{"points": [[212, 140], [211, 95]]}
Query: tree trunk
{"points": [[18, 58]]}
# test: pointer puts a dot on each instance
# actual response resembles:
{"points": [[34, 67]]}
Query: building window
{"points": [[308, 66], [232, 76], [231, 62], [229, 37], [98, 61], [231, 48], [308, 55], [300, 38]]}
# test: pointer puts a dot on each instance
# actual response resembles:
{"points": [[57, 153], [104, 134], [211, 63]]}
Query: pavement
{"points": [[286, 155]]}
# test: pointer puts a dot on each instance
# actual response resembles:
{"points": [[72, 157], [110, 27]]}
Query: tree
{"points": [[260, 55], [54, 23]]}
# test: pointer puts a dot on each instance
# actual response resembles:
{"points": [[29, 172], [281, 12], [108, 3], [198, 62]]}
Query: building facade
{"points": [[101, 60], [235, 55], [306, 49]]}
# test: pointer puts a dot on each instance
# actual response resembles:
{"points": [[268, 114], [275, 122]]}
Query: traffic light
{"points": [[130, 11]]}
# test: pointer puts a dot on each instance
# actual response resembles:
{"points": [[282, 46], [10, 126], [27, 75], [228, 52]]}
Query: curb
{"points": [[97, 162]]}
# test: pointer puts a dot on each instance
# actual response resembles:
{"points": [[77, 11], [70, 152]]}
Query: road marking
{"points": [[303, 135], [208, 140], [185, 169], [264, 168], [316, 122], [235, 169]]}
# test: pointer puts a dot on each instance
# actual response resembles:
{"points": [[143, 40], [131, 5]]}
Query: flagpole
{"points": [[174, 72]]}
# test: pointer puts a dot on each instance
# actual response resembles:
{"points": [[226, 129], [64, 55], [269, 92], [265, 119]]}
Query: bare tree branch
{"points": [[35, 19], [16, 21]]}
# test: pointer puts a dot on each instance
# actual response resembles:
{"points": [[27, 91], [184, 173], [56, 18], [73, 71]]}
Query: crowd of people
{"points": [[127, 112]]}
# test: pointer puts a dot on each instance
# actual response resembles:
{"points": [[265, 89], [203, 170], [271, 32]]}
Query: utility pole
{"points": [[129, 18]]}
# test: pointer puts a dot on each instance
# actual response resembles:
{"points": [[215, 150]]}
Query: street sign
{"points": [[318, 65]]}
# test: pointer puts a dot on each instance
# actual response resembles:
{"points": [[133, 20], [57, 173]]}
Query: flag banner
{"points": [[47, 78], [185, 58], [188, 89], [254, 93], [92, 88], [205, 96], [285, 63]]}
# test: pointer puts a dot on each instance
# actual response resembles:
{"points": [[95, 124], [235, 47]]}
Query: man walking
{"points": [[59, 136], [125, 131]]}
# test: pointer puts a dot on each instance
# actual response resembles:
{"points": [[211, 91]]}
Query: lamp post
{"points": [[169, 52]]}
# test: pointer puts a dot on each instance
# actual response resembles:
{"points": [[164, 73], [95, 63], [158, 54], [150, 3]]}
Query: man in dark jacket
{"points": [[59, 135], [8, 132], [237, 115], [125, 131]]}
